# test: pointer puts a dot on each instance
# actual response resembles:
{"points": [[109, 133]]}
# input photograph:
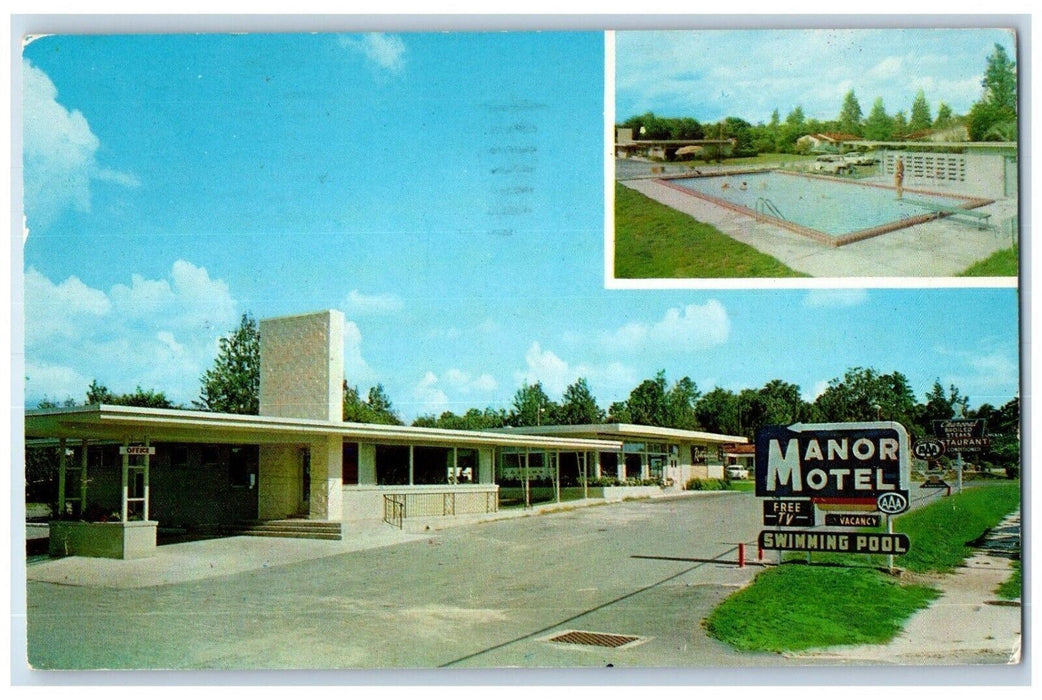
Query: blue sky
{"points": [[443, 190], [714, 74]]}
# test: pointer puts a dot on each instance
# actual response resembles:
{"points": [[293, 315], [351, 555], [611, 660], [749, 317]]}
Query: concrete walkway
{"points": [[941, 248], [968, 624]]}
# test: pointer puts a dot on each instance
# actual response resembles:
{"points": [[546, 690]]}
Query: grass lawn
{"points": [[652, 240], [939, 533], [843, 600], [797, 607], [1012, 587], [1004, 263]]}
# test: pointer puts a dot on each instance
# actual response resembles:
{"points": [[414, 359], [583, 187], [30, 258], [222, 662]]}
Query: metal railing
{"points": [[394, 510], [398, 506], [765, 207]]}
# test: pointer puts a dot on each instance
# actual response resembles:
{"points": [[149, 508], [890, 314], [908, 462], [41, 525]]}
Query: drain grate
{"points": [[595, 639]]}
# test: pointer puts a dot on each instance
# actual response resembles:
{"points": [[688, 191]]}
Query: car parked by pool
{"points": [[856, 158], [834, 164]]}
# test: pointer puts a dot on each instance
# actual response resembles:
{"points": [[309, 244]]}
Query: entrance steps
{"points": [[290, 527]]}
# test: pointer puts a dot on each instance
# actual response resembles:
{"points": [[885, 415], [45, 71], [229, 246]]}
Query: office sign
{"points": [[843, 542], [962, 434], [858, 461], [852, 519], [139, 450], [788, 513]]}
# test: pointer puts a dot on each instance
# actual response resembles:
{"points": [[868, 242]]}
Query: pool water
{"points": [[831, 206]]}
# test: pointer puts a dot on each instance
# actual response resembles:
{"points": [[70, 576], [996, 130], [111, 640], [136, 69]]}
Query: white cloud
{"points": [[59, 153], [356, 370], [556, 374], [692, 327], [359, 303], [432, 392], [383, 51], [429, 396], [885, 69], [158, 334], [823, 298]]}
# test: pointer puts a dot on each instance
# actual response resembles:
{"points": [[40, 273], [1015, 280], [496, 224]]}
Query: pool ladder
{"points": [[765, 207]]}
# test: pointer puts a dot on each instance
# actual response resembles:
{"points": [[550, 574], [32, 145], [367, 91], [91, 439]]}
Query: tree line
{"points": [[862, 394], [992, 118]]}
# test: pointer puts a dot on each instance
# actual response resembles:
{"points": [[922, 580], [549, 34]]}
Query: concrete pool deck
{"points": [[940, 248]]}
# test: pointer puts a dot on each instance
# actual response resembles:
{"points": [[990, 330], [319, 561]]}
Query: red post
{"points": [[741, 555], [759, 552], [949, 491]]}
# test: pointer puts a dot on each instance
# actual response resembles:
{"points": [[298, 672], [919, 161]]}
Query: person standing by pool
{"points": [[899, 177]]}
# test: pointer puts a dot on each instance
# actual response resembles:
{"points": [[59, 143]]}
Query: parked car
{"points": [[831, 164], [736, 471], [856, 158]]}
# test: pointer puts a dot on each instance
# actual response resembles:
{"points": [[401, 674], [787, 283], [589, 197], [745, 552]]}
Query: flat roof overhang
{"points": [[118, 423], [628, 430]]}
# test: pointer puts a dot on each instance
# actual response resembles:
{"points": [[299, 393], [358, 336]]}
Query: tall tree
{"points": [[647, 402], [232, 385], [578, 406], [863, 394], [920, 113], [376, 408], [879, 126], [944, 116], [681, 400], [532, 406], [850, 115], [900, 124], [994, 116]]}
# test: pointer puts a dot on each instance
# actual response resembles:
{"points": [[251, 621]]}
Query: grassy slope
{"points": [[797, 607], [652, 240], [1004, 263]]}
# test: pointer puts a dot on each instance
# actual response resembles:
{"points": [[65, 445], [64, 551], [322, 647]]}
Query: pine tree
{"points": [[232, 385]]}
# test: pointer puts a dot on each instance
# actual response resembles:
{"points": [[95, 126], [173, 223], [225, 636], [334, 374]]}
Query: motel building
{"points": [[299, 470]]}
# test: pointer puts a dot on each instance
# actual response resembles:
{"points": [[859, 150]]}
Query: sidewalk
{"points": [[968, 624]]}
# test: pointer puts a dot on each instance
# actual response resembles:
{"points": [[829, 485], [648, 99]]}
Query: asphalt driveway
{"points": [[484, 595]]}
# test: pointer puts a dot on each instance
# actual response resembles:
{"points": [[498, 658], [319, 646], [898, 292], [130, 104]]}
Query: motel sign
{"points": [[855, 461]]}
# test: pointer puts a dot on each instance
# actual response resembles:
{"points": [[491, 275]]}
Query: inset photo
{"points": [[821, 153]]}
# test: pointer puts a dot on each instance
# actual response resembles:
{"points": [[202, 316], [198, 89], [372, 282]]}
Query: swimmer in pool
{"points": [[724, 186], [743, 186]]}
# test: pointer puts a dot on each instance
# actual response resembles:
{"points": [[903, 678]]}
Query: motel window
{"points": [[431, 465], [466, 465], [392, 465], [349, 473], [242, 466], [634, 466]]}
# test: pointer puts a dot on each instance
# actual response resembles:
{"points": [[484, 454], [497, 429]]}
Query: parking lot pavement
{"points": [[477, 596]]}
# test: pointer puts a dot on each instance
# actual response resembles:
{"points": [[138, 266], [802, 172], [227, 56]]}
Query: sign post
{"points": [[962, 435]]}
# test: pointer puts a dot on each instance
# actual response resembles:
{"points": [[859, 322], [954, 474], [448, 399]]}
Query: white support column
{"points": [[528, 500], [144, 510], [61, 477], [126, 492], [557, 476], [411, 466], [455, 465], [83, 476], [586, 475]]}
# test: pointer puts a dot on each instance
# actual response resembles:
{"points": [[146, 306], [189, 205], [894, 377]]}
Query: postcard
{"points": [[691, 349]]}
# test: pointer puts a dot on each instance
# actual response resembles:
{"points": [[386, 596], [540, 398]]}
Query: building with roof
{"points": [[125, 472]]}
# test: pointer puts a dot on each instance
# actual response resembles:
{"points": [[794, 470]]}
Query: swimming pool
{"points": [[827, 209]]}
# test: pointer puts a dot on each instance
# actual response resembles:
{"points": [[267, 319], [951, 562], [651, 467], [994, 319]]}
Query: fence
{"points": [[438, 503]]}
